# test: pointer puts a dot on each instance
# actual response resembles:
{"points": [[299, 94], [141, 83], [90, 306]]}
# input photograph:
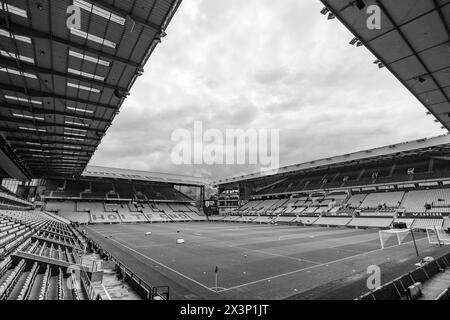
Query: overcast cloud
{"points": [[260, 64]]}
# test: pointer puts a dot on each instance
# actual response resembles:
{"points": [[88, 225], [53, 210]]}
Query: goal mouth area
{"points": [[399, 236]]}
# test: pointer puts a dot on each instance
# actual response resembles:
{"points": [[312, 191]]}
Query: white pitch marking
{"points": [[106, 291], [162, 264], [312, 267]]}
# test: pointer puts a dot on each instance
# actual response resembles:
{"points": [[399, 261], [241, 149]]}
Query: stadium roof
{"points": [[413, 43], [410, 148], [61, 86], [114, 173]]}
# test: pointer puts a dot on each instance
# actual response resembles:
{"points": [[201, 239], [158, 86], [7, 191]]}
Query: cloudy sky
{"points": [[260, 64]]}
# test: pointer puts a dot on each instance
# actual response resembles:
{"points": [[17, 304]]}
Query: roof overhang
{"points": [[399, 150], [137, 175], [413, 43], [62, 85]]}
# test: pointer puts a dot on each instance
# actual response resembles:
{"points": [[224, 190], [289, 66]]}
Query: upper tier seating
{"points": [[125, 189], [99, 189]]}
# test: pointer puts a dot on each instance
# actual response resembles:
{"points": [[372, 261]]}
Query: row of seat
{"points": [[52, 251], [100, 212], [363, 222], [368, 204], [36, 234], [110, 190]]}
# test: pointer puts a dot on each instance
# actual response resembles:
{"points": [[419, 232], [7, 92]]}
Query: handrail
{"points": [[148, 288]]}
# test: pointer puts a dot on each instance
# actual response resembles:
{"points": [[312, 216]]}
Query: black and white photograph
{"points": [[218, 159]]}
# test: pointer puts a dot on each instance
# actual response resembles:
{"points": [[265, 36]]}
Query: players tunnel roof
{"points": [[413, 43], [61, 85]]}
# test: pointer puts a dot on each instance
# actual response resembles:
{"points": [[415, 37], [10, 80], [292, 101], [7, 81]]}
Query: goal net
{"points": [[437, 235], [393, 237]]}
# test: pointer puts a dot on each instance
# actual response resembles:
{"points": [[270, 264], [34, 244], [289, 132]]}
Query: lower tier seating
{"points": [[333, 221], [426, 223], [371, 222]]}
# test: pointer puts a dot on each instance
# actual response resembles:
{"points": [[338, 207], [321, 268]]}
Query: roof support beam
{"points": [[10, 163], [40, 123], [402, 35], [124, 13], [37, 162], [40, 94], [45, 134], [51, 159], [441, 15], [406, 22], [58, 153], [49, 142], [37, 110], [27, 146], [26, 67], [47, 161], [53, 169], [50, 162], [419, 52], [28, 32]]}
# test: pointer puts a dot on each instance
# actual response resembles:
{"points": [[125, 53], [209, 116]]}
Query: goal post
{"points": [[397, 235], [437, 235]]}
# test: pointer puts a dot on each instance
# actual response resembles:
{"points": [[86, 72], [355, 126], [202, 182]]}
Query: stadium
{"points": [[367, 225]]}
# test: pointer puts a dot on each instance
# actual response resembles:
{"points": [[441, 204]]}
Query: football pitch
{"points": [[257, 261]]}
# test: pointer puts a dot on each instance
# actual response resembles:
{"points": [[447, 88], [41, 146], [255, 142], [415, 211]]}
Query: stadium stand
{"points": [[124, 189], [98, 190], [153, 213], [125, 213], [174, 216], [356, 200], [68, 210], [422, 223], [38, 252], [104, 217], [377, 200], [361, 210], [417, 200]]}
